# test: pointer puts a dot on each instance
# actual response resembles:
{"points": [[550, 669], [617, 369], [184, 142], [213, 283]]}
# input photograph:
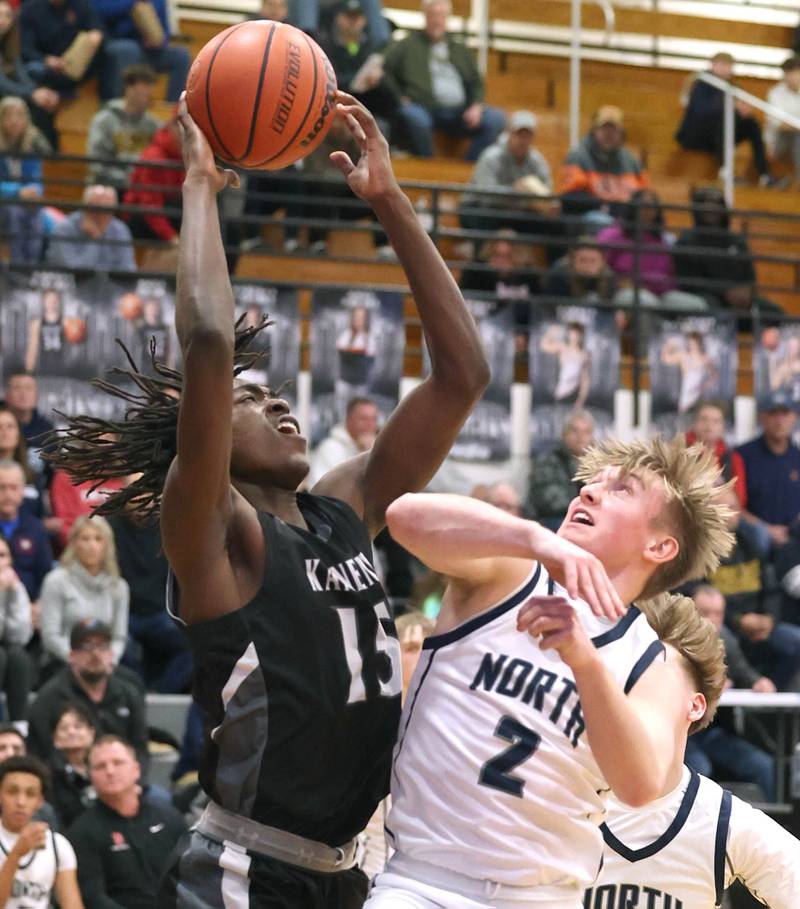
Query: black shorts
{"points": [[212, 875]]}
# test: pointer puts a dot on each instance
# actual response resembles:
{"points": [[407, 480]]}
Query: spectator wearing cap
{"points": [[92, 237], [121, 130], [702, 127], [115, 706], [601, 173], [784, 141], [439, 85], [85, 585], [359, 69], [512, 164], [772, 472]]}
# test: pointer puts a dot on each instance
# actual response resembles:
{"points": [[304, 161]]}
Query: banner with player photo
{"points": [[574, 357], [144, 310], [486, 436], [690, 360], [61, 327], [279, 344], [776, 360], [357, 343]]}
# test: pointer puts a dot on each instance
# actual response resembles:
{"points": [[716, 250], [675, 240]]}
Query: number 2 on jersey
{"points": [[384, 643], [497, 771]]}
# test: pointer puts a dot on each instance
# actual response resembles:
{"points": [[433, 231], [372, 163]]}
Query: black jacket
{"points": [[121, 859]]}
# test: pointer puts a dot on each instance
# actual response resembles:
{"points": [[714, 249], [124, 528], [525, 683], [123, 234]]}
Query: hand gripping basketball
{"points": [[198, 158], [371, 178]]}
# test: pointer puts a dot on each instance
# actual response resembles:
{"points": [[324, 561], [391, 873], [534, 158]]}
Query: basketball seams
{"points": [[207, 93], [259, 89], [311, 102]]}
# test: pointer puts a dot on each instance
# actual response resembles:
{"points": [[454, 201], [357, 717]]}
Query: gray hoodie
{"points": [[113, 133], [70, 594], [15, 616]]}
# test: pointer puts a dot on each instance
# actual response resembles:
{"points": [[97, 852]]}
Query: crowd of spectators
{"points": [[84, 633]]}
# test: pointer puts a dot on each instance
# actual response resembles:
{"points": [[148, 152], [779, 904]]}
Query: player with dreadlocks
{"points": [[297, 661]]}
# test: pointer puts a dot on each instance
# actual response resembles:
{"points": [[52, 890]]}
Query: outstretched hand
{"points": [[371, 178], [198, 158], [580, 573], [554, 621]]}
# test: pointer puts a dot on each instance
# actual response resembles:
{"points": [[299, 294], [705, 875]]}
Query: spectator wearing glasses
{"points": [[90, 679]]}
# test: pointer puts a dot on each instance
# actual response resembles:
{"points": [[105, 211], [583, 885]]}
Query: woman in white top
{"points": [[16, 670], [569, 345], [85, 585], [698, 373]]}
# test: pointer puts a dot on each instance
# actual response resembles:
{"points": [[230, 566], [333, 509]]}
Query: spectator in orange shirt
{"points": [[600, 173], [709, 429]]}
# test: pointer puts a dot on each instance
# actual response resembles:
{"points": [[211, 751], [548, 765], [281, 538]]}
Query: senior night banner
{"points": [[61, 327], [279, 343], [357, 343], [691, 360], [574, 355], [776, 361], [486, 436]]}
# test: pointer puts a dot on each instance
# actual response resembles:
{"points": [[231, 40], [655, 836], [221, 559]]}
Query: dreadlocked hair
{"points": [[144, 442], [693, 512]]}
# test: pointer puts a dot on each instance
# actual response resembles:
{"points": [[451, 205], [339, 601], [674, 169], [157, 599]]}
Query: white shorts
{"points": [[410, 884]]}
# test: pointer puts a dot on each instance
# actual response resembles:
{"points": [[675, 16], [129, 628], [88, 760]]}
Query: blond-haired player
{"points": [[497, 794], [688, 846]]}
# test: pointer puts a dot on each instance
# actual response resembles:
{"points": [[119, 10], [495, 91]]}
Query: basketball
{"points": [[262, 92], [130, 306], [74, 329]]}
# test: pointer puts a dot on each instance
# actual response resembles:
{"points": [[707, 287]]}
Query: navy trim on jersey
{"points": [[720, 844], [615, 633], [411, 711], [516, 599], [655, 650], [636, 855]]}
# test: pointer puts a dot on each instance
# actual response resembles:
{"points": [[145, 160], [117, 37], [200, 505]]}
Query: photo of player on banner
{"points": [[574, 364], [357, 343], [776, 361], [486, 436], [280, 343], [57, 325], [691, 360], [144, 309]]}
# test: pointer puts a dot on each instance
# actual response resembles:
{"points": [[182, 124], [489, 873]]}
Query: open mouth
{"points": [[289, 426], [580, 516]]}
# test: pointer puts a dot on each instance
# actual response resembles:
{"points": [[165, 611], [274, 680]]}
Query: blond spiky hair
{"points": [[677, 622], [693, 512]]}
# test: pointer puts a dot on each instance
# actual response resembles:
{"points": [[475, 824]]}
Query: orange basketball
{"points": [[74, 329], [130, 306], [263, 94]]}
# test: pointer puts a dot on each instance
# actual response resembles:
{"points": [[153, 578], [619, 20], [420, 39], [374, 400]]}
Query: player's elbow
{"points": [[402, 516], [639, 790]]}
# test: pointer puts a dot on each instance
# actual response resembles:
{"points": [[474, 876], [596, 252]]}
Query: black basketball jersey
{"points": [[301, 686]]}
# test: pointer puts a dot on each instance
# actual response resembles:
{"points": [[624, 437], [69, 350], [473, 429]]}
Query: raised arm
{"points": [[424, 426], [196, 506], [472, 541]]}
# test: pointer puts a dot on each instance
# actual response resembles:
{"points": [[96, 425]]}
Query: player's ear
{"points": [[697, 707], [661, 549]]}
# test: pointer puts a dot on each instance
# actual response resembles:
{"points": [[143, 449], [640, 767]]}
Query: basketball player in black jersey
{"points": [[297, 662]]}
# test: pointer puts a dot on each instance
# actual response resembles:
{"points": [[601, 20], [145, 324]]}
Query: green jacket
{"points": [[408, 70]]}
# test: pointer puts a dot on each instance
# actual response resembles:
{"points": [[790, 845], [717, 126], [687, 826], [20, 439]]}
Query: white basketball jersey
{"points": [[683, 850], [493, 776]]}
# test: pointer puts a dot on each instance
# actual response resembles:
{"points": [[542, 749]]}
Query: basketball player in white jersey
{"points": [[684, 849], [497, 795]]}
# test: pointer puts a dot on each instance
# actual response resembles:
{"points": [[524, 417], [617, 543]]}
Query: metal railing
{"points": [[731, 92]]}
